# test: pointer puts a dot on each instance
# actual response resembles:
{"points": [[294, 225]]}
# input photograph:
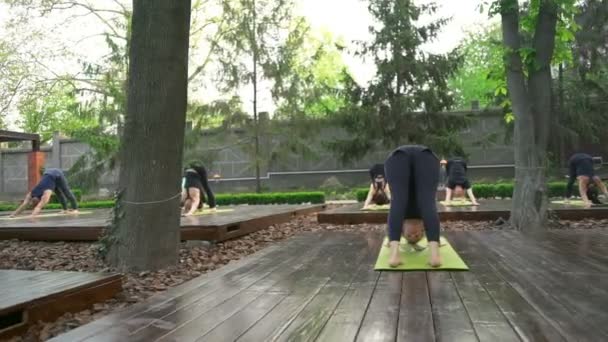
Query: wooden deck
{"points": [[489, 210], [322, 286], [213, 227], [30, 296]]}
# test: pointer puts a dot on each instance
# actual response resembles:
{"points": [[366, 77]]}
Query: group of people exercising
{"points": [[409, 179], [194, 183], [456, 183]]}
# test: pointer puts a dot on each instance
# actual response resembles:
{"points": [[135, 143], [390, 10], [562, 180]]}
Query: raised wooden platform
{"points": [[322, 286], [489, 210], [213, 227], [27, 297]]}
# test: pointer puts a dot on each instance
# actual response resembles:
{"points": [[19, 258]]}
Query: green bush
{"points": [[503, 190], [557, 189], [77, 193], [362, 195], [483, 190], [271, 198]]}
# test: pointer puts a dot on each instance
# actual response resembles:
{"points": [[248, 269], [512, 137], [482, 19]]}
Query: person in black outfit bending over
{"points": [[458, 183], [412, 171], [53, 180], [580, 167], [379, 192], [195, 181]]}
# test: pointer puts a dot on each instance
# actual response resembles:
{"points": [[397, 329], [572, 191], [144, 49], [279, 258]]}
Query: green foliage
{"points": [[310, 76], [528, 17], [77, 193], [56, 111], [271, 198], [484, 190], [361, 194], [407, 80], [251, 38], [481, 75]]}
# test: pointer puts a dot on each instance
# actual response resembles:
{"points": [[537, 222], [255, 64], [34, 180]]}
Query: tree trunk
{"points": [[254, 44], [531, 102], [145, 231]]}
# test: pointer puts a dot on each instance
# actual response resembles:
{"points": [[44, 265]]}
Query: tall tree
{"points": [[528, 71], [145, 231], [249, 47], [407, 80]]}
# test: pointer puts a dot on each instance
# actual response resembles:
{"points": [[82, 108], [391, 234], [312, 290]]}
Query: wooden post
{"points": [[35, 162]]}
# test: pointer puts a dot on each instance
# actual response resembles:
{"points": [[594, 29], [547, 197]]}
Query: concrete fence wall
{"points": [[234, 163]]}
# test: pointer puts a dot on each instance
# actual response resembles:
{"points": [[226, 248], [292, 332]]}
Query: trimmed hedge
{"points": [[361, 194], [502, 190], [77, 193], [271, 198], [221, 199]]}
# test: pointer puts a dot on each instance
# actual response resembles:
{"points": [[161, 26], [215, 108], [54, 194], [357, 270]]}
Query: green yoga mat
{"points": [[418, 261], [457, 204], [207, 212], [377, 208], [21, 217], [578, 203]]}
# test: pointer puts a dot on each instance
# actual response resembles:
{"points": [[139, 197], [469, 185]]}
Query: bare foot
{"points": [[73, 212], [212, 210], [475, 203], [395, 258], [434, 256]]}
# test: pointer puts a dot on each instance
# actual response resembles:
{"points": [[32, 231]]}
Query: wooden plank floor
{"points": [[322, 287], [213, 227], [30, 296], [489, 210]]}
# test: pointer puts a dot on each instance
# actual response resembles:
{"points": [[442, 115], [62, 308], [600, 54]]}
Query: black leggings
{"points": [[413, 177], [62, 190]]}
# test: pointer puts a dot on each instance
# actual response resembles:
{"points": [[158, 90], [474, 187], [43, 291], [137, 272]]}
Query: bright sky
{"points": [[349, 19]]}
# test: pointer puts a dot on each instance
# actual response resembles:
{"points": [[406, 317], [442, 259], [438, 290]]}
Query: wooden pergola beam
{"points": [[6, 136]]}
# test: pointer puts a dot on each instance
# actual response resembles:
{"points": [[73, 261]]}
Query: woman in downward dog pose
{"points": [[194, 182], [580, 167], [412, 171], [458, 183], [379, 192]]}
